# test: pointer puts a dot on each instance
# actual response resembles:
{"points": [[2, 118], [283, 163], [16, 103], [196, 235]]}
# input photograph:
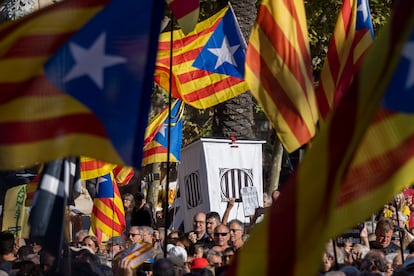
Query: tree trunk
{"points": [[235, 116], [154, 186], [276, 167]]}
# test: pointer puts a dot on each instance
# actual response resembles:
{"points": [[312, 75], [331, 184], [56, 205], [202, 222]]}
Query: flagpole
{"points": [[167, 184], [400, 236]]}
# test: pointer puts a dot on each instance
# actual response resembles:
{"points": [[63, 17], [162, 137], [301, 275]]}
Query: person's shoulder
{"points": [[392, 247]]}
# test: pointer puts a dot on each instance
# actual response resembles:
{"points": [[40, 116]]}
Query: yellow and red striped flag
{"points": [[352, 37], [207, 64], [358, 161], [123, 174], [92, 168], [279, 71], [137, 254], [54, 103], [186, 12], [108, 215], [156, 137]]}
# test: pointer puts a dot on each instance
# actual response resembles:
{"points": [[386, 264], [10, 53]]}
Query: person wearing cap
{"points": [[141, 215], [198, 263], [114, 245]]}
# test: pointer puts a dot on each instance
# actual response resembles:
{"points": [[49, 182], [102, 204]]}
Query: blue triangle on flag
{"points": [[363, 19], [400, 93], [225, 51], [105, 187], [176, 131]]}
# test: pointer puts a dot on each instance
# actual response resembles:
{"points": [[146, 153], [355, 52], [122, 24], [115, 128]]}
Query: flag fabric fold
{"points": [[279, 71], [48, 208], [72, 83], [156, 142], [123, 174], [137, 254], [207, 64], [352, 37], [186, 12], [363, 158], [92, 168], [108, 215]]}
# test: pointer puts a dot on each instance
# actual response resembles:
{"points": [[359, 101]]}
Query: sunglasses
{"points": [[221, 234], [133, 234]]}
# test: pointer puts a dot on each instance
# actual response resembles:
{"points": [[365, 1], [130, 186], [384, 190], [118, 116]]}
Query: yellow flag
{"points": [[15, 213]]}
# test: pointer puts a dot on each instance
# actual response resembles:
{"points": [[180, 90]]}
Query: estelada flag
{"points": [[207, 64], [358, 161], [76, 80]]}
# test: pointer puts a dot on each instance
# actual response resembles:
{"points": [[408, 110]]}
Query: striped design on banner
{"points": [[364, 156], [156, 137], [92, 168], [233, 180], [279, 71], [193, 190], [108, 215], [137, 254], [352, 37], [197, 87], [186, 12]]}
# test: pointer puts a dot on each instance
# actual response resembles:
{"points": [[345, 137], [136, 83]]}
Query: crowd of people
{"points": [[388, 250], [205, 250]]}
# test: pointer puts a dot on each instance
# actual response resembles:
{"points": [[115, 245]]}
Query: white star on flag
{"points": [[92, 62], [408, 53], [363, 8], [101, 179], [162, 129], [224, 53]]}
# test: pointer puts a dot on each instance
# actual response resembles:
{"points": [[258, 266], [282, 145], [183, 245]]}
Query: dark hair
{"points": [[163, 267], [139, 196], [27, 268], [24, 251], [93, 238], [6, 242], [214, 215], [384, 225]]}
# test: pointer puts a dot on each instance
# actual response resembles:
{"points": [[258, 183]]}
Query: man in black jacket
{"points": [[141, 215]]}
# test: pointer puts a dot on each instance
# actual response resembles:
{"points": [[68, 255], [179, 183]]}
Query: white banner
{"points": [[214, 170]]}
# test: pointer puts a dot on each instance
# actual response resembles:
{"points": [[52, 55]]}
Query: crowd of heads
{"points": [[387, 249], [207, 249]]}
